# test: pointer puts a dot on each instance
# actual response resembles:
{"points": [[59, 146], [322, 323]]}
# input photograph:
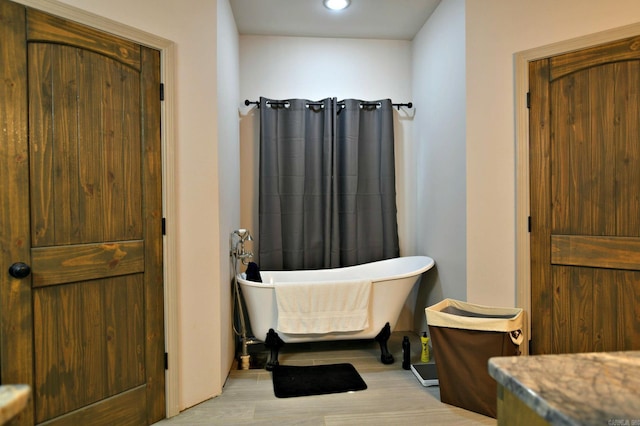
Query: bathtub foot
{"points": [[273, 342], [382, 338]]}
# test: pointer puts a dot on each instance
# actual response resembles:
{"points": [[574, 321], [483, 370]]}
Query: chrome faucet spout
{"points": [[245, 257]]}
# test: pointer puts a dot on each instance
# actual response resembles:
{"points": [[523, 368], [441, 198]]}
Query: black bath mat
{"points": [[290, 381]]}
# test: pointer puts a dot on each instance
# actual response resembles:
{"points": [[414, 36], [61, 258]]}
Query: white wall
{"points": [[495, 31], [203, 316], [439, 137], [316, 68], [228, 182]]}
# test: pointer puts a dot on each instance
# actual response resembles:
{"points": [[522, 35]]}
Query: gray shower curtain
{"points": [[327, 183]]}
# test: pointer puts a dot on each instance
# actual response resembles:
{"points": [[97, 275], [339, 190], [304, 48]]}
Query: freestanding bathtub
{"points": [[392, 281]]}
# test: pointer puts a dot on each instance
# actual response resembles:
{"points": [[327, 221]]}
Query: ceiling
{"points": [[380, 19]]}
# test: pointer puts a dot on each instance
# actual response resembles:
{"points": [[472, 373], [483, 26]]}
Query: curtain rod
{"points": [[247, 102]]}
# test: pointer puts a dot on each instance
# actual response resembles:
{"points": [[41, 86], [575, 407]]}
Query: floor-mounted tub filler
{"points": [[355, 302]]}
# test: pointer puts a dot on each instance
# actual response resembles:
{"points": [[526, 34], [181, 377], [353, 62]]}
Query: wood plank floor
{"points": [[393, 396]]}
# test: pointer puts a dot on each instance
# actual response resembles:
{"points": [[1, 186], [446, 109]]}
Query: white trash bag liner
{"points": [[456, 314]]}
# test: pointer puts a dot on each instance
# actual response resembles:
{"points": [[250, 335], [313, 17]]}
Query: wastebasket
{"points": [[464, 336]]}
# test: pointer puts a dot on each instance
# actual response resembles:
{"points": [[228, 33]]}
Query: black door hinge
{"points": [[164, 226], [166, 361], [529, 223], [529, 100], [162, 91]]}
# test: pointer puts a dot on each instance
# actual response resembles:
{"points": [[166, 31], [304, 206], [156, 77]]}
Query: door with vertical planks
{"points": [[585, 199], [80, 204]]}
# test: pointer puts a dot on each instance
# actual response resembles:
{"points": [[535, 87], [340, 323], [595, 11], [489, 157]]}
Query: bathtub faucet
{"points": [[238, 251]]}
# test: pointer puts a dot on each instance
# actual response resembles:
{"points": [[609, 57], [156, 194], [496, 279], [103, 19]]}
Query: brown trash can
{"points": [[464, 336]]}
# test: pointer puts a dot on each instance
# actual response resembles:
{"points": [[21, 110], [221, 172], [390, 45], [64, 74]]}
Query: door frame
{"points": [[168, 137], [522, 59]]}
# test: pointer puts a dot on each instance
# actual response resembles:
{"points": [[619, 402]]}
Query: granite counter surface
{"points": [[13, 399], [601, 388]]}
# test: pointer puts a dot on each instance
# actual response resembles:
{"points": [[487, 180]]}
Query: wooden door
{"points": [[585, 199], [80, 202]]}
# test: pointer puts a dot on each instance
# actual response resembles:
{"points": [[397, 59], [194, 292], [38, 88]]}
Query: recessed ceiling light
{"points": [[336, 4]]}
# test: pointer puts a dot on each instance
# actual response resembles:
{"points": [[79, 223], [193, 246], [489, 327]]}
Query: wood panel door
{"points": [[80, 203], [585, 199]]}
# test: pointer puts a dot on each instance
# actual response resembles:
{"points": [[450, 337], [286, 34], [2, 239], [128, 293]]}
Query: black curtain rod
{"points": [[247, 102]]}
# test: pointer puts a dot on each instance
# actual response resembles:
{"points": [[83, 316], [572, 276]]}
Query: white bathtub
{"points": [[392, 281]]}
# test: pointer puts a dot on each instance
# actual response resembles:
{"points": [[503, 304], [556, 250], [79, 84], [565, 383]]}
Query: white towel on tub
{"points": [[323, 307]]}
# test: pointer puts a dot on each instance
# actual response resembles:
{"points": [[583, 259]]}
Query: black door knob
{"points": [[19, 270]]}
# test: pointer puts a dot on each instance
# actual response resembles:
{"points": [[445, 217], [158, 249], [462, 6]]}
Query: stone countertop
{"points": [[600, 388], [13, 398]]}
